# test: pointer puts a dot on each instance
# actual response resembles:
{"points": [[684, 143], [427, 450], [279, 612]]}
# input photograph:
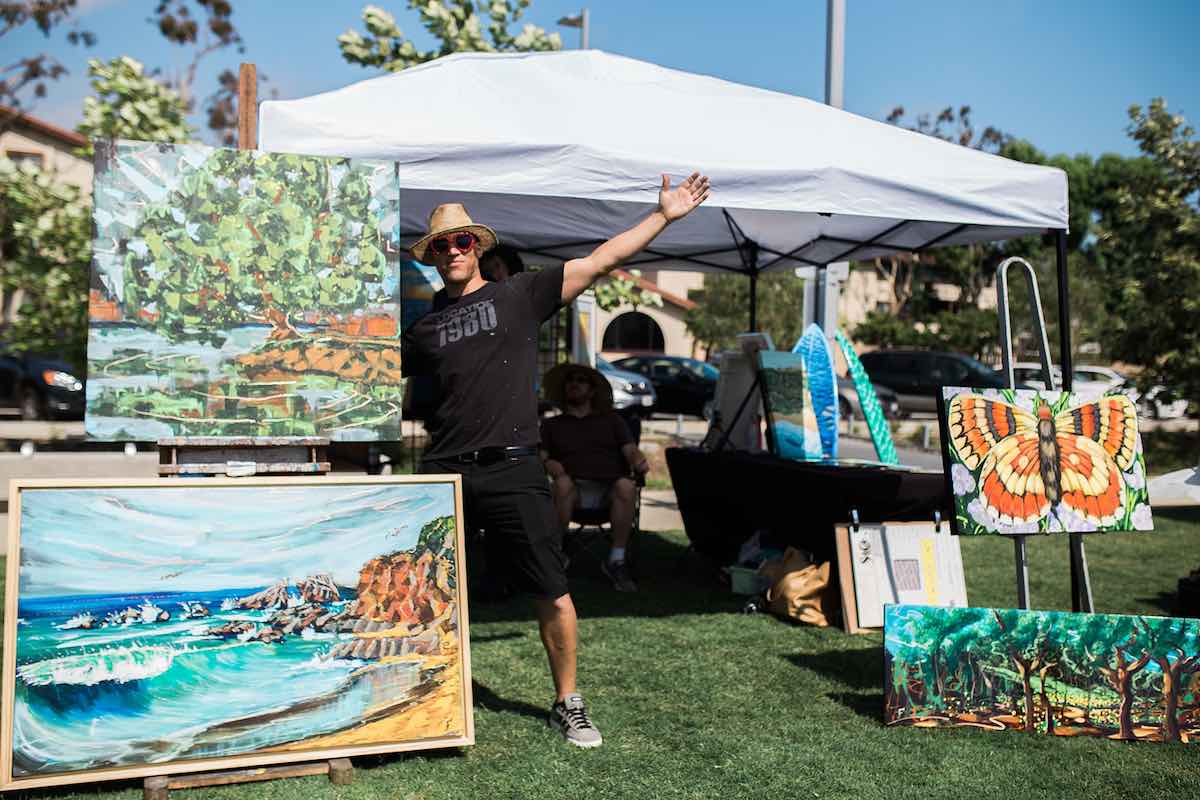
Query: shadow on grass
{"points": [[858, 669], [1167, 602], [867, 705], [485, 698], [672, 581], [1179, 513]]}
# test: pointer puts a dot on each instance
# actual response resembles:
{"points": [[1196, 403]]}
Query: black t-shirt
{"points": [[588, 447], [481, 349]]}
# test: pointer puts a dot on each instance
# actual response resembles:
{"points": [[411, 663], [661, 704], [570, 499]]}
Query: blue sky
{"points": [[1060, 73], [105, 541]]}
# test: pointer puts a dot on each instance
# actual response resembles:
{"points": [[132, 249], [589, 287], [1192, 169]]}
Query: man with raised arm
{"points": [[480, 345]]}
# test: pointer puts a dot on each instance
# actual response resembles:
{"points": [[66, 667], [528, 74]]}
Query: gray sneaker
{"points": [[570, 718], [618, 572]]}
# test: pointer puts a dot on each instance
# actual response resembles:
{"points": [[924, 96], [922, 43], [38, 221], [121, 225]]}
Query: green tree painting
{"points": [[243, 293], [1055, 672]]}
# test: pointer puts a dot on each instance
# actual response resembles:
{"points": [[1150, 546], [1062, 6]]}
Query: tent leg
{"points": [[1081, 585], [1064, 308], [753, 302]]}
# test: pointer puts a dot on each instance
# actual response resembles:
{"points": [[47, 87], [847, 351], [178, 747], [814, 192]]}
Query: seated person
{"points": [[502, 261], [590, 454]]}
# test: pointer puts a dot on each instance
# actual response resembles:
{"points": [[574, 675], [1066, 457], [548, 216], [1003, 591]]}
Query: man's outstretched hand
{"points": [[678, 202]]}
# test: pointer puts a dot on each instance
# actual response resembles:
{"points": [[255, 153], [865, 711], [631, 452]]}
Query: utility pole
{"points": [[829, 281]]}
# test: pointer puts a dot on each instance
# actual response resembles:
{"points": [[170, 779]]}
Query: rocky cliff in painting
{"points": [[319, 589], [412, 586], [404, 601]]}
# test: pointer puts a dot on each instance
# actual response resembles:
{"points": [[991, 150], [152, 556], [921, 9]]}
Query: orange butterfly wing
{"points": [[1004, 440], [1097, 441]]}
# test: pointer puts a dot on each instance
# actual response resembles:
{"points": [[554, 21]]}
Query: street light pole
{"points": [[829, 279], [835, 51]]}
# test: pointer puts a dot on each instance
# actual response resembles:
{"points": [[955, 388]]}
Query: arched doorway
{"points": [[633, 331]]}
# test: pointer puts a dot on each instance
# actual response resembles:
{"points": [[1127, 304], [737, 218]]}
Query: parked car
{"points": [[683, 385], [40, 386], [632, 393], [850, 408], [917, 376], [1093, 380]]}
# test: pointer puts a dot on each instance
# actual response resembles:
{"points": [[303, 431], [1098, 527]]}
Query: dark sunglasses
{"points": [[463, 241]]}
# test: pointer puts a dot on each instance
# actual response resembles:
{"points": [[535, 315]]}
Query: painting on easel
{"points": [[168, 627], [243, 293], [793, 426], [1030, 461]]}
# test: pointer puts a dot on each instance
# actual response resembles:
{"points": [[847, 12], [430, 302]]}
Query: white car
{"points": [[1090, 380]]}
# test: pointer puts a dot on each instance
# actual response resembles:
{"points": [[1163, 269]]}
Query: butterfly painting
{"points": [[1024, 461]]}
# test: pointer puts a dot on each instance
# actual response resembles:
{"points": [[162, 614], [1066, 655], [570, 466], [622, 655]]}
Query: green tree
{"points": [[1170, 642], [723, 309], [1150, 237], [1032, 642], [457, 24], [32, 73], [222, 250], [129, 104], [616, 291], [45, 249], [1118, 644]]}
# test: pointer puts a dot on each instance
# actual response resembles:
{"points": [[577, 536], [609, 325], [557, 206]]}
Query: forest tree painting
{"points": [[1055, 672], [243, 293], [1026, 462], [262, 620]]}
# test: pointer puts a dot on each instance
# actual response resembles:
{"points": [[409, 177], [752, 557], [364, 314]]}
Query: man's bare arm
{"points": [[673, 204]]}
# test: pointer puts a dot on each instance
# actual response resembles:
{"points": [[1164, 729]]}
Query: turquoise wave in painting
{"points": [[822, 386], [157, 692]]}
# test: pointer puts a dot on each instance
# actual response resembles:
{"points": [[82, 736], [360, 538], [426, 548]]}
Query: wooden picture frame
{"points": [[894, 562], [398, 653]]}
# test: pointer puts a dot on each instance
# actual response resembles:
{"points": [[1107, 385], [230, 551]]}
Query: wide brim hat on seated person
{"points": [[554, 386], [451, 218]]}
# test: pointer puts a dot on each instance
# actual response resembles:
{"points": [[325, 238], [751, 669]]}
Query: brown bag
{"points": [[800, 590]]}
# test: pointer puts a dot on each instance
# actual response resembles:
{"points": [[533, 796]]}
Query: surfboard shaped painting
{"points": [[822, 386], [868, 401]]}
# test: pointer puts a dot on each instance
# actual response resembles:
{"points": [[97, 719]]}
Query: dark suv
{"points": [[916, 376]]}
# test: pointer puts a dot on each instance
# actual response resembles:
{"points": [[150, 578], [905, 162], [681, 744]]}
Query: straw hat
{"points": [[555, 383], [452, 218]]}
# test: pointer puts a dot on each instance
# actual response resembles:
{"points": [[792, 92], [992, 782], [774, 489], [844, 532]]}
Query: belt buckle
{"points": [[469, 458]]}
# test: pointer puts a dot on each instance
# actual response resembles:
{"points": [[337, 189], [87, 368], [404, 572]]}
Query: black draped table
{"points": [[725, 497]]}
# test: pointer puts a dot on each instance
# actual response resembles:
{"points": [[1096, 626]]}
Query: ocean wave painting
{"points": [[160, 626]]}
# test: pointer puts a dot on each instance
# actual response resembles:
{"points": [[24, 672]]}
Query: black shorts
{"points": [[510, 500]]}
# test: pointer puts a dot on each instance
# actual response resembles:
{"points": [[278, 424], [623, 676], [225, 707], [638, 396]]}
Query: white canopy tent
{"points": [[559, 151]]}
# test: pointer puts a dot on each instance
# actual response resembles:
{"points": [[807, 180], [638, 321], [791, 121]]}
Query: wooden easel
{"points": [[240, 456]]}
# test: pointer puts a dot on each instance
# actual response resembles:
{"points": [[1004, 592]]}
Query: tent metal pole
{"points": [[1081, 584], [753, 302], [1064, 308]]}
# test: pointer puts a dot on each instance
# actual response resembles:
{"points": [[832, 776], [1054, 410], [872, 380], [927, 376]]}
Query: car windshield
{"points": [[976, 368], [604, 365], [704, 370]]}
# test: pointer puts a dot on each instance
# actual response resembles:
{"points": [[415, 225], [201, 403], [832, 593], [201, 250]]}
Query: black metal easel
{"points": [[1081, 588]]}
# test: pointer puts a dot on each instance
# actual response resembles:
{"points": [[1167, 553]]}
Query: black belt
{"points": [[488, 455]]}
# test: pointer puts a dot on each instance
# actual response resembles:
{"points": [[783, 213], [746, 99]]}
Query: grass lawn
{"points": [[697, 700]]}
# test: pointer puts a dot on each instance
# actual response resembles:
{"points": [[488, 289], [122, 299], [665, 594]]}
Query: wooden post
{"points": [[247, 107]]}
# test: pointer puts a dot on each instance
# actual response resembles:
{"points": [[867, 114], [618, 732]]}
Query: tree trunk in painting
{"points": [[1046, 706], [1024, 668], [1121, 679], [1172, 677]]}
